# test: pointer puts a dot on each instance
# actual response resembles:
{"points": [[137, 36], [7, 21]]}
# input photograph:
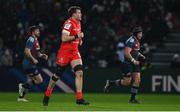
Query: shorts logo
{"points": [[61, 60]]}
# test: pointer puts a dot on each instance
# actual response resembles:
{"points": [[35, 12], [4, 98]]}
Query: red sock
{"points": [[79, 95], [48, 92]]}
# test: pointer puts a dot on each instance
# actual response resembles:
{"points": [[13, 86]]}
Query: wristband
{"points": [[76, 36], [132, 60]]}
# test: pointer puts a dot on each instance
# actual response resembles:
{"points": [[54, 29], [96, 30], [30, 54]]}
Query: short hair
{"points": [[33, 28], [73, 9]]}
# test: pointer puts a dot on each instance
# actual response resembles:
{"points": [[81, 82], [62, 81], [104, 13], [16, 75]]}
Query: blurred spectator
{"points": [[120, 50], [104, 23], [1, 50], [52, 60], [175, 63], [102, 63], [6, 58], [1, 44], [125, 6], [145, 49]]}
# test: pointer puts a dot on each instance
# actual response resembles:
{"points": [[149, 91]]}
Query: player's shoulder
{"points": [[30, 39], [130, 40], [68, 21], [67, 24]]}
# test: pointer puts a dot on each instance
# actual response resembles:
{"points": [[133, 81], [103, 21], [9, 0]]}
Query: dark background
{"points": [[106, 24]]}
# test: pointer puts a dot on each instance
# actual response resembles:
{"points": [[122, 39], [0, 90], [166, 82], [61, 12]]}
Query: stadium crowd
{"points": [[106, 24]]}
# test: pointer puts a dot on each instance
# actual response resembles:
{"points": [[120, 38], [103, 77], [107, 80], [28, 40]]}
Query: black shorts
{"points": [[31, 72], [128, 69]]}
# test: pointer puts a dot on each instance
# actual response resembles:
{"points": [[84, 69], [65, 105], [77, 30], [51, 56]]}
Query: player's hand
{"points": [[136, 62], [143, 57], [44, 56], [35, 61], [81, 42], [81, 35]]}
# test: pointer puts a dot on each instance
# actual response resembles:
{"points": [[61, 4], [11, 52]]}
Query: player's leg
{"points": [[24, 87], [59, 71], [78, 70], [125, 81], [38, 79], [136, 77], [135, 87]]}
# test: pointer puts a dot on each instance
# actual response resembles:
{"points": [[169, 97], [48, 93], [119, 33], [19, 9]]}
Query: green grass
{"points": [[104, 102]]}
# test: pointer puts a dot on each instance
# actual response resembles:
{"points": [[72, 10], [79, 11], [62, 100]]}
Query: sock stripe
{"points": [[134, 89]]}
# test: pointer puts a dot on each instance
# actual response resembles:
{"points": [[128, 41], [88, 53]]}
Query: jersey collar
{"points": [[77, 22], [34, 37], [135, 38]]}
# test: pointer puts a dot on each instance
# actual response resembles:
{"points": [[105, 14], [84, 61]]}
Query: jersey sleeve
{"points": [[130, 43], [30, 43], [67, 28]]}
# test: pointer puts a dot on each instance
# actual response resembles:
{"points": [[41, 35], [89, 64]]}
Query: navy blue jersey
{"points": [[134, 44], [33, 44]]}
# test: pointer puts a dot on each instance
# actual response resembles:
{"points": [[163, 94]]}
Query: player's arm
{"points": [[28, 54], [127, 52], [66, 33], [81, 42], [42, 55], [141, 55], [66, 36]]}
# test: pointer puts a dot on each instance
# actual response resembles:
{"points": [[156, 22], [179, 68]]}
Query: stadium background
{"points": [[106, 24]]}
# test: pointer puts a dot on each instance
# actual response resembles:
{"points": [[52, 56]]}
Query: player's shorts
{"points": [[65, 57], [31, 72], [128, 69]]}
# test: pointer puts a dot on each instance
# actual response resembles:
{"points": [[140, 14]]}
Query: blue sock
{"points": [[134, 91]]}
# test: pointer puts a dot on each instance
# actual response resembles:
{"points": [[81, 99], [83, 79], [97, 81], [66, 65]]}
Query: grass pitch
{"points": [[103, 102]]}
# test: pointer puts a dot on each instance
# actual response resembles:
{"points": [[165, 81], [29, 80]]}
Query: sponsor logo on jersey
{"points": [[67, 26]]}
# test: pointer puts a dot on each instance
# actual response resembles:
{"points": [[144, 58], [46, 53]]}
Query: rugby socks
{"points": [[79, 95], [134, 91], [48, 92], [28, 84]]}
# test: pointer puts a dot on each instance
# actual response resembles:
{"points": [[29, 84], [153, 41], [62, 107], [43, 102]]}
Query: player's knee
{"points": [[37, 80], [137, 81], [59, 71], [40, 81], [127, 82], [78, 69], [79, 74]]}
